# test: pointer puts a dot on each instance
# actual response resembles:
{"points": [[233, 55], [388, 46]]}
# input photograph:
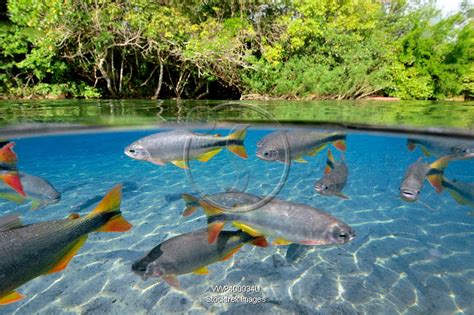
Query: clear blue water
{"points": [[412, 258]]}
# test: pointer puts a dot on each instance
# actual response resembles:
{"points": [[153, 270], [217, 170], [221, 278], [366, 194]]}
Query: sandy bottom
{"points": [[408, 258]]}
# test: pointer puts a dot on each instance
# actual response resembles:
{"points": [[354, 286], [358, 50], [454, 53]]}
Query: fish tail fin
{"points": [[259, 241], [340, 144], [329, 162], [411, 145], [192, 203], [7, 155], [435, 174], [12, 179], [111, 204], [238, 149]]}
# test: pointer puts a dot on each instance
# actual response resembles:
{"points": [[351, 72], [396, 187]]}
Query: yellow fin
{"points": [[35, 205], [238, 150], [280, 241], [246, 228], [180, 164], [209, 209], [459, 199], [62, 264], [316, 150], [201, 271], [231, 253], [14, 197], [239, 134], [11, 297], [208, 155], [435, 175], [300, 160]]}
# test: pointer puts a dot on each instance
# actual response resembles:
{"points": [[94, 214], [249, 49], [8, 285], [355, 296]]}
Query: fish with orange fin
{"points": [[334, 179], [287, 222], [293, 145], [29, 251], [191, 252], [456, 148], [180, 146], [417, 173], [8, 171]]}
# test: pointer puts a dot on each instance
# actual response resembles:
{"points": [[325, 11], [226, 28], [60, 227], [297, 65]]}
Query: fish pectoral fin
{"points": [[35, 205], [316, 150], [201, 271], [213, 230], [259, 241], [280, 241], [425, 151], [231, 253], [341, 195], [192, 204], [64, 261], [460, 200], [16, 198], [157, 161], [248, 229], [11, 297], [300, 160], [172, 280], [181, 164], [208, 155]]}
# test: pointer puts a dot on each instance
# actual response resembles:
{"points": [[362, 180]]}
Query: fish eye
{"points": [[266, 153], [142, 269], [325, 187], [343, 235], [131, 151]]}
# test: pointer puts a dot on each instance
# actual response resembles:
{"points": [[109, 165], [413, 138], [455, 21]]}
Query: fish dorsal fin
{"points": [[208, 155], [181, 164], [411, 145], [11, 297], [340, 145], [71, 252], [231, 253], [12, 179], [7, 155], [250, 230], [201, 271], [435, 174], [329, 163], [9, 222]]}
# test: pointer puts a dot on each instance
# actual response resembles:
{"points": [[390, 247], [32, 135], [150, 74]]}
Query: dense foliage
{"points": [[222, 49]]}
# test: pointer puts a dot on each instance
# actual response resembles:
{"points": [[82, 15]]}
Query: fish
{"points": [[287, 222], [286, 146], [191, 252], [180, 146], [334, 179], [38, 190], [8, 169], [29, 251], [463, 193], [233, 201], [456, 148], [417, 173]]}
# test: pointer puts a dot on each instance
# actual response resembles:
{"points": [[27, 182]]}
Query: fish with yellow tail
{"points": [[8, 171], [29, 251], [191, 252], [293, 145], [417, 173], [456, 148], [180, 146], [287, 222], [463, 193], [334, 179]]}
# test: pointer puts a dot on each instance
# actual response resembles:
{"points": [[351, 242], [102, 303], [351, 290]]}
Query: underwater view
{"points": [[236, 217]]}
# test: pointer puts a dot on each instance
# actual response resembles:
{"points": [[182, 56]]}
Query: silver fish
{"points": [[456, 148], [38, 190], [334, 179], [288, 222], [191, 252], [228, 201], [416, 174], [293, 145], [178, 146]]}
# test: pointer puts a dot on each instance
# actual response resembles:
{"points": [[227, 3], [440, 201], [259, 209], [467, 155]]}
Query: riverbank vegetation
{"points": [[198, 49]]}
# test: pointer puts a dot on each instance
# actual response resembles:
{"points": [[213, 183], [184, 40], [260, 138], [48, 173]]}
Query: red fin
{"points": [[7, 155], [192, 204], [411, 145], [62, 264], [116, 224], [259, 241], [340, 145], [213, 230], [12, 179], [11, 297], [171, 280]]}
